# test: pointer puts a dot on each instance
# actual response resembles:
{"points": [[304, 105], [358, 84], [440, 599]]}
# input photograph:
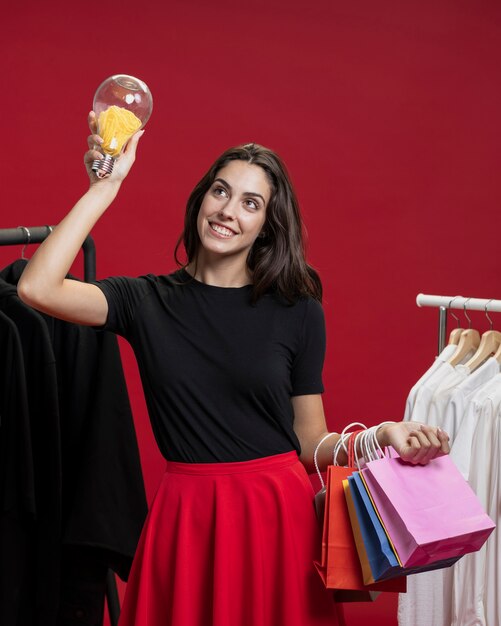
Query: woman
{"points": [[230, 350]]}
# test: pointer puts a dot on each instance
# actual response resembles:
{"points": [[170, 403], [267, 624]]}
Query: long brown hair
{"points": [[277, 260]]}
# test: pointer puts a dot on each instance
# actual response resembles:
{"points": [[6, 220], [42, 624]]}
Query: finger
{"points": [[429, 445], [92, 121], [92, 155], [443, 437], [434, 445], [131, 147], [411, 449], [93, 141], [418, 448], [424, 446]]}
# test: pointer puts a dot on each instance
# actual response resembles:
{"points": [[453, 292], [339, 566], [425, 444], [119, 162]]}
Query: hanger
{"points": [[469, 341], [489, 345], [497, 356], [29, 237], [28, 240], [455, 335]]}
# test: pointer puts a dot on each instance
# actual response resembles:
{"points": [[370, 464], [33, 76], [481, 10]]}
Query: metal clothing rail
{"points": [[455, 302], [23, 235]]}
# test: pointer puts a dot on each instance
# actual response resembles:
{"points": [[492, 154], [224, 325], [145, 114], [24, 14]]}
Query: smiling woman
{"points": [[230, 349], [250, 183], [231, 218]]}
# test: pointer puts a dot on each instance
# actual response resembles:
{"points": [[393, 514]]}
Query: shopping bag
{"points": [[339, 555], [340, 567], [340, 595], [429, 511], [405, 570], [376, 552], [377, 558]]}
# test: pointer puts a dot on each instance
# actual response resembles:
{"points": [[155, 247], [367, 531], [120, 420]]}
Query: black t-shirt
{"points": [[218, 373]]}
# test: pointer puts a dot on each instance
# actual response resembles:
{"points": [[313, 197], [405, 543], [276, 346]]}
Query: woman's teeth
{"points": [[226, 232]]}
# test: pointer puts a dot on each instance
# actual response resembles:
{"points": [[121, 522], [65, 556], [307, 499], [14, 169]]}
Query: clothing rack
{"points": [[23, 235], [36, 234], [443, 303]]}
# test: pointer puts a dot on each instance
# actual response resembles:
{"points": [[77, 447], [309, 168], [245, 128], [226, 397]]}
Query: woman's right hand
{"points": [[44, 285], [122, 164]]}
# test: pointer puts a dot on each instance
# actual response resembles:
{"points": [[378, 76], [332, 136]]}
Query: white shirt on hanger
{"points": [[492, 601], [446, 411], [458, 398], [426, 391], [444, 356], [461, 447], [469, 592], [443, 393]]}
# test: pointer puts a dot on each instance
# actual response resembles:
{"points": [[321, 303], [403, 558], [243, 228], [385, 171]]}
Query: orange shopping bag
{"points": [[340, 567]]}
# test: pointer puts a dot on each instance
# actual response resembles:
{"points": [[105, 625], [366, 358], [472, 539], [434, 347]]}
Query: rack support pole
{"points": [[442, 328]]}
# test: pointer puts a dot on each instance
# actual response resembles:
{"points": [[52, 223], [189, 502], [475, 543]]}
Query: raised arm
{"points": [[43, 284]]}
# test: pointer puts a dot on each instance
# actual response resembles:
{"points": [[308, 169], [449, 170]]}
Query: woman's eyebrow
{"points": [[245, 193]]}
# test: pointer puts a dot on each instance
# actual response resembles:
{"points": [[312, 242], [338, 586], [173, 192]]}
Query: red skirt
{"points": [[230, 544]]}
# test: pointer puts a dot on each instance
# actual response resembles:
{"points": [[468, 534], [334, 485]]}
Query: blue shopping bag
{"points": [[376, 550]]}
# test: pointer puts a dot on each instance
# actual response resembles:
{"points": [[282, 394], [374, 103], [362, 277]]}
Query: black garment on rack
{"points": [[17, 489], [103, 498], [39, 597], [104, 502]]}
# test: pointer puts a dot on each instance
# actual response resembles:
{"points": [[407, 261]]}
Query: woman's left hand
{"points": [[414, 442]]}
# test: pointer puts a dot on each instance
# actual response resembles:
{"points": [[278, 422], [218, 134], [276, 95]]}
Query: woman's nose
{"points": [[228, 210]]}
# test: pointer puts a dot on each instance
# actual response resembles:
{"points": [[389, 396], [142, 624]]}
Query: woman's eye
{"points": [[219, 191], [251, 204]]}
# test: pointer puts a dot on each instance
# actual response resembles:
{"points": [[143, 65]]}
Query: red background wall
{"points": [[387, 114]]}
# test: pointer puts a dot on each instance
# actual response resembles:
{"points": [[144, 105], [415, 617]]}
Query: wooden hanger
{"points": [[455, 336], [497, 356], [496, 349], [489, 345], [469, 341]]}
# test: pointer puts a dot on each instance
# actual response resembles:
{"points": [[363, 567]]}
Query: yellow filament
{"points": [[116, 126]]}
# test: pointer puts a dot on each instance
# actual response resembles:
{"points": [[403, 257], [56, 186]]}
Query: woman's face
{"points": [[233, 211]]}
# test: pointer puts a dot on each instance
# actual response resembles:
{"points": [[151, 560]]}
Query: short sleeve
{"points": [[309, 361], [123, 295]]}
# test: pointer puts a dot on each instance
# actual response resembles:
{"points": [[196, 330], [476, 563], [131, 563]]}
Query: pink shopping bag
{"points": [[429, 511]]}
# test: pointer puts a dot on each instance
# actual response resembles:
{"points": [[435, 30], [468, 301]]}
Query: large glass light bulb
{"points": [[123, 105]]}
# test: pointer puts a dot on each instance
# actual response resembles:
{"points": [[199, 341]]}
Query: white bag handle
{"points": [[363, 438], [316, 453], [339, 444], [370, 445]]}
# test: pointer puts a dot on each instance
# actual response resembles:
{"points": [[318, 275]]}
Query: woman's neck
{"points": [[223, 273]]}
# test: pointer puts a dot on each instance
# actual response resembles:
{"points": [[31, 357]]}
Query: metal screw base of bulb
{"points": [[103, 167]]}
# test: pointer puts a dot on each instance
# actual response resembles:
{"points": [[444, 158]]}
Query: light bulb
{"points": [[123, 105]]}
